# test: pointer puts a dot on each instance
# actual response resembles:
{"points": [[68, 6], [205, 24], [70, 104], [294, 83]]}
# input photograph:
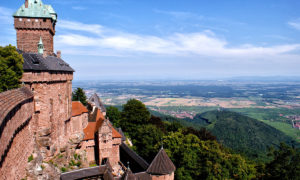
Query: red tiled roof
{"points": [[92, 127], [115, 133], [78, 108]]}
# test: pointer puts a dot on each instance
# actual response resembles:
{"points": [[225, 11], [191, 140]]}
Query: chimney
{"points": [[58, 54], [26, 3]]}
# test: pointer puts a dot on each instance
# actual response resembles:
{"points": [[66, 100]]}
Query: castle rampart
{"points": [[16, 136]]}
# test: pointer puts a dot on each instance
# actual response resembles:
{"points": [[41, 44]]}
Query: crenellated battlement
{"points": [[26, 23]]}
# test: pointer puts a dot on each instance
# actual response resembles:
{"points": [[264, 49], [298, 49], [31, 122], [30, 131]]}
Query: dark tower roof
{"points": [[129, 175], [37, 62], [137, 163], [96, 100], [161, 164]]}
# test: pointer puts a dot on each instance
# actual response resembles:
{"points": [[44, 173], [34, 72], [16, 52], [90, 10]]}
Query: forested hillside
{"points": [[242, 133], [197, 154]]}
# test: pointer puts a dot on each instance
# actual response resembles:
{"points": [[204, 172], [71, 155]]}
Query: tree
{"points": [[285, 163], [198, 159], [79, 95], [114, 115], [147, 137], [11, 68], [134, 114]]}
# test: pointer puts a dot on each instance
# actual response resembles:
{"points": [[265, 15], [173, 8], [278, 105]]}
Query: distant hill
{"points": [[243, 134]]}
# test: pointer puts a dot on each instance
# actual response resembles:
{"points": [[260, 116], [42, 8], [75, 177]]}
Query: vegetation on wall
{"points": [[11, 68]]}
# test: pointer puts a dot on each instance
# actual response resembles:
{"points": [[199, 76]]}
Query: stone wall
{"points": [[29, 31], [89, 147], [105, 142], [52, 96], [115, 154], [78, 123], [16, 135]]}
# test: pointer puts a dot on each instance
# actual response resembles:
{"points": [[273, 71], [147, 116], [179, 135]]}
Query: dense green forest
{"points": [[241, 133], [196, 152]]}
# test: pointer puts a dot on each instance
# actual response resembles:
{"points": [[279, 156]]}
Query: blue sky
{"points": [[172, 39]]}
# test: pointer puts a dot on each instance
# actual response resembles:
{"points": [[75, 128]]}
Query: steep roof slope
{"points": [[93, 126], [161, 164], [36, 62], [94, 99], [78, 108]]}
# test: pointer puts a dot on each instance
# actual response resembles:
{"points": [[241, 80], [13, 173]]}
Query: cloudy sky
{"points": [[172, 39]]}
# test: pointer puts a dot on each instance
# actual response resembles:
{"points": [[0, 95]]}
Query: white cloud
{"points": [[78, 26], [80, 8], [295, 24], [179, 14], [204, 43]]}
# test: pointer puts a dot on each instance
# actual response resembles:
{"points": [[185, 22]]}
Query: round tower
{"points": [[32, 21]]}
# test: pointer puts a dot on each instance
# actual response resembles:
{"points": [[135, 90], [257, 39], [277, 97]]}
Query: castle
{"points": [[39, 120]]}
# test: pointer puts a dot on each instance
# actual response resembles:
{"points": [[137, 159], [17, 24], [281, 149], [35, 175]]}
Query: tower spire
{"points": [[41, 46]]}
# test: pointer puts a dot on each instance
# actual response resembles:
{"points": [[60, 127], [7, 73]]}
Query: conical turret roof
{"points": [[161, 164]]}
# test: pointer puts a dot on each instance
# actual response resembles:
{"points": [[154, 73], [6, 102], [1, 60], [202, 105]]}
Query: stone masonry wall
{"points": [[89, 147], [52, 95], [14, 166], [17, 138], [105, 142], [115, 154], [29, 31], [78, 123]]}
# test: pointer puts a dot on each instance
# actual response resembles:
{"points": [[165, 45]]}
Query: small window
{"points": [[28, 20], [20, 19], [36, 20], [44, 20]]}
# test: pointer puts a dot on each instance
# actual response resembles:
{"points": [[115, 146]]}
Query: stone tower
{"points": [[35, 20], [45, 73]]}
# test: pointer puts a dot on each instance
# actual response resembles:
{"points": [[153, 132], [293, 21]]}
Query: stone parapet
{"points": [[34, 23], [16, 138], [32, 77]]}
